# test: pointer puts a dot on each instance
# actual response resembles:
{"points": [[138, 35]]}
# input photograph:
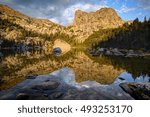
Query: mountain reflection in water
{"points": [[14, 67]]}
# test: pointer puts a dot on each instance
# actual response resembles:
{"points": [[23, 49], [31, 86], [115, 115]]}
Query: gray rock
{"points": [[31, 76], [55, 95], [50, 85], [101, 49], [57, 51], [132, 53], [108, 52], [22, 96], [140, 91], [116, 52]]}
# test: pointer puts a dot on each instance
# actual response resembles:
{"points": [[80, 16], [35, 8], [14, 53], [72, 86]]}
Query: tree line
{"points": [[130, 36], [7, 26]]}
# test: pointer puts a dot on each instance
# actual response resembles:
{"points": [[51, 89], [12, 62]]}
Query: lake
{"points": [[108, 71]]}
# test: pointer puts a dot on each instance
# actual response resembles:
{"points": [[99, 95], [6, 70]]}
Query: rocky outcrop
{"points": [[139, 91], [118, 52], [93, 21], [65, 47]]}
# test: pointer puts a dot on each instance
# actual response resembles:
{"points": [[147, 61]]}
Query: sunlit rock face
{"points": [[105, 14], [64, 46], [86, 22], [83, 26]]}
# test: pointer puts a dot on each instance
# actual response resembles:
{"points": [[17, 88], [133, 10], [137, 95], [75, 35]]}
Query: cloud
{"points": [[70, 11], [59, 11], [125, 9], [145, 4]]}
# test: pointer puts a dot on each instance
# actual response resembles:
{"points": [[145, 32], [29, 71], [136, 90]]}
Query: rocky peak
{"points": [[40, 26], [84, 23], [93, 21], [4, 9]]}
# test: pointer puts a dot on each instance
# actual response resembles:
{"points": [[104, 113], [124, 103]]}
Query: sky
{"points": [[62, 11]]}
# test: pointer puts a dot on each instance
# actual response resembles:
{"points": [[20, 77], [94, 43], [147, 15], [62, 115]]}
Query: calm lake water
{"points": [[106, 70]]}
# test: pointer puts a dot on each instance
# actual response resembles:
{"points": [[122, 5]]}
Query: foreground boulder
{"points": [[139, 91]]}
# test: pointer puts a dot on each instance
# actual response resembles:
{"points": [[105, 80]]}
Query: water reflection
{"points": [[14, 67], [127, 77]]}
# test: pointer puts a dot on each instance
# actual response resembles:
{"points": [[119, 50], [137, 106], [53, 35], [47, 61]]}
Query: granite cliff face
{"points": [[103, 18], [83, 26], [85, 23]]}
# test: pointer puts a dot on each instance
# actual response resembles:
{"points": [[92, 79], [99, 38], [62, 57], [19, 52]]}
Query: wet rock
{"points": [[121, 78], [22, 96], [38, 96], [108, 52], [31, 76], [72, 91], [50, 85], [132, 53], [87, 94], [139, 91], [116, 52], [55, 95], [57, 51], [101, 49]]}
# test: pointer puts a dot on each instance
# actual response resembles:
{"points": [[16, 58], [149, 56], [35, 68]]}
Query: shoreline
{"points": [[119, 52]]}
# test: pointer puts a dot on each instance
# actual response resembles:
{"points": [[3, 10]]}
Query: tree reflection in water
{"points": [[14, 67]]}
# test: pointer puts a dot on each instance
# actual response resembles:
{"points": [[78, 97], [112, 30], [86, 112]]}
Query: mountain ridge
{"points": [[84, 24]]}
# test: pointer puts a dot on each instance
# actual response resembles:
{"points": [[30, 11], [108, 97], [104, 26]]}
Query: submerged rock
{"points": [[140, 91]]}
